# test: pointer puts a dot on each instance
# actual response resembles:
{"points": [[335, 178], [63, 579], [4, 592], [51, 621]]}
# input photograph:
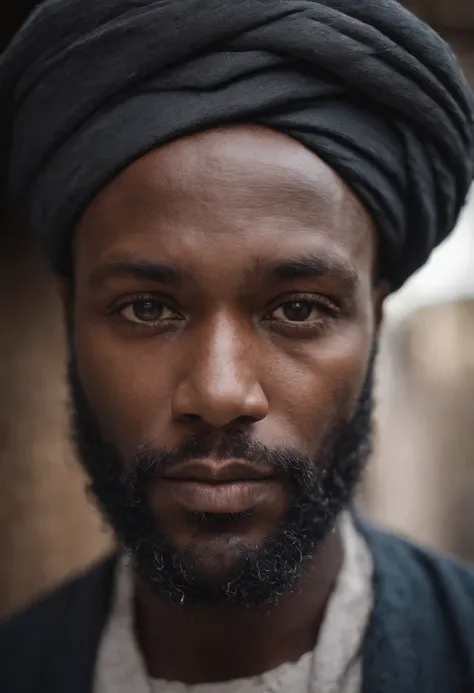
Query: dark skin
{"points": [[226, 281]]}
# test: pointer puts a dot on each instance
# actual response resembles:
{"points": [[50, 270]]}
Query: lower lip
{"points": [[230, 497]]}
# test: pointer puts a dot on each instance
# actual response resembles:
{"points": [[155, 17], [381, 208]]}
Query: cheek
{"points": [[128, 385], [317, 385]]}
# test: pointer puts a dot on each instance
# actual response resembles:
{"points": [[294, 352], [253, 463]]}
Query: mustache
{"points": [[148, 461]]}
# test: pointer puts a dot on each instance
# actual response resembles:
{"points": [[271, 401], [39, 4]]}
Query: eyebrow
{"points": [[165, 273], [308, 265], [312, 265]]}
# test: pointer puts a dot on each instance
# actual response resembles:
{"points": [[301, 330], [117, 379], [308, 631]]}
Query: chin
{"points": [[215, 547], [215, 562], [222, 566]]}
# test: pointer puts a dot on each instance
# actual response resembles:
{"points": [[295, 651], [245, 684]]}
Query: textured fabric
{"points": [[420, 638], [87, 87], [335, 666]]}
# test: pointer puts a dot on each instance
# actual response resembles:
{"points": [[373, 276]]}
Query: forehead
{"points": [[245, 191]]}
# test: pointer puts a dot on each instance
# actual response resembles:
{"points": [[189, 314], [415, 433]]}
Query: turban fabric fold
{"points": [[88, 86]]}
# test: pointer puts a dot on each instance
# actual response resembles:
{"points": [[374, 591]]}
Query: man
{"points": [[227, 192]]}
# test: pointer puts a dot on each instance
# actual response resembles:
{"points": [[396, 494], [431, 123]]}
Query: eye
{"points": [[147, 310], [300, 311]]}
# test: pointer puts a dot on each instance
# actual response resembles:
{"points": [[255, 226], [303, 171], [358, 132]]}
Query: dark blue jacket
{"points": [[420, 639]]}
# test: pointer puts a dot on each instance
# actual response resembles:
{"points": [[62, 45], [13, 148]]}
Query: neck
{"points": [[198, 644]]}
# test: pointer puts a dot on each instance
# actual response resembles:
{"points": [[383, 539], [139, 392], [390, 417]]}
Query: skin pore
{"points": [[224, 291]]}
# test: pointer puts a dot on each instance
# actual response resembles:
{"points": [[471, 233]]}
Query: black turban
{"points": [[88, 86]]}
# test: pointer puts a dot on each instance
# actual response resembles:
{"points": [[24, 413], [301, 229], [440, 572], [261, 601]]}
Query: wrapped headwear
{"points": [[89, 86]]}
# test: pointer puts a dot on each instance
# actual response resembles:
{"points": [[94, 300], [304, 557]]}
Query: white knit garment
{"points": [[334, 666]]}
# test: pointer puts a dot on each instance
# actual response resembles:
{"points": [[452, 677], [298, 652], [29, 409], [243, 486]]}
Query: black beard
{"points": [[321, 490]]}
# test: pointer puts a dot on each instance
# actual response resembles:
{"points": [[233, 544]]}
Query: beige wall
{"points": [[421, 480], [47, 528]]}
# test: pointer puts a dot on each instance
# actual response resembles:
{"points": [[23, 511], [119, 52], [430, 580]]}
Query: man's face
{"points": [[222, 329]]}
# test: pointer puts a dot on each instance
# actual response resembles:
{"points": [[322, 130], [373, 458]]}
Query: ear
{"points": [[381, 290]]}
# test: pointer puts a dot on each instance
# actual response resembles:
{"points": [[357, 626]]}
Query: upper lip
{"points": [[211, 472]]}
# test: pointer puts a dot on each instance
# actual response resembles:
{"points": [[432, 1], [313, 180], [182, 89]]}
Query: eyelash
{"points": [[119, 306], [329, 308]]}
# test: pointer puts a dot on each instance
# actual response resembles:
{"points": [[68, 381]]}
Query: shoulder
{"points": [[420, 569], [55, 604], [54, 626], [422, 628]]}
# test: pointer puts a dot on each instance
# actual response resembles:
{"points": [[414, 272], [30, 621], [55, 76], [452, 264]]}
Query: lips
{"points": [[215, 472], [214, 487]]}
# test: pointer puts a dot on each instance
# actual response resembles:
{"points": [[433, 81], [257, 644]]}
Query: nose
{"points": [[220, 385]]}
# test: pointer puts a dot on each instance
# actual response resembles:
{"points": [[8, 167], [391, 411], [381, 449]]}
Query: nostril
{"points": [[190, 418], [245, 420]]}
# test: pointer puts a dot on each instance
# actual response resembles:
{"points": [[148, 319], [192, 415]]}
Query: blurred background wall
{"points": [[47, 527], [420, 481]]}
